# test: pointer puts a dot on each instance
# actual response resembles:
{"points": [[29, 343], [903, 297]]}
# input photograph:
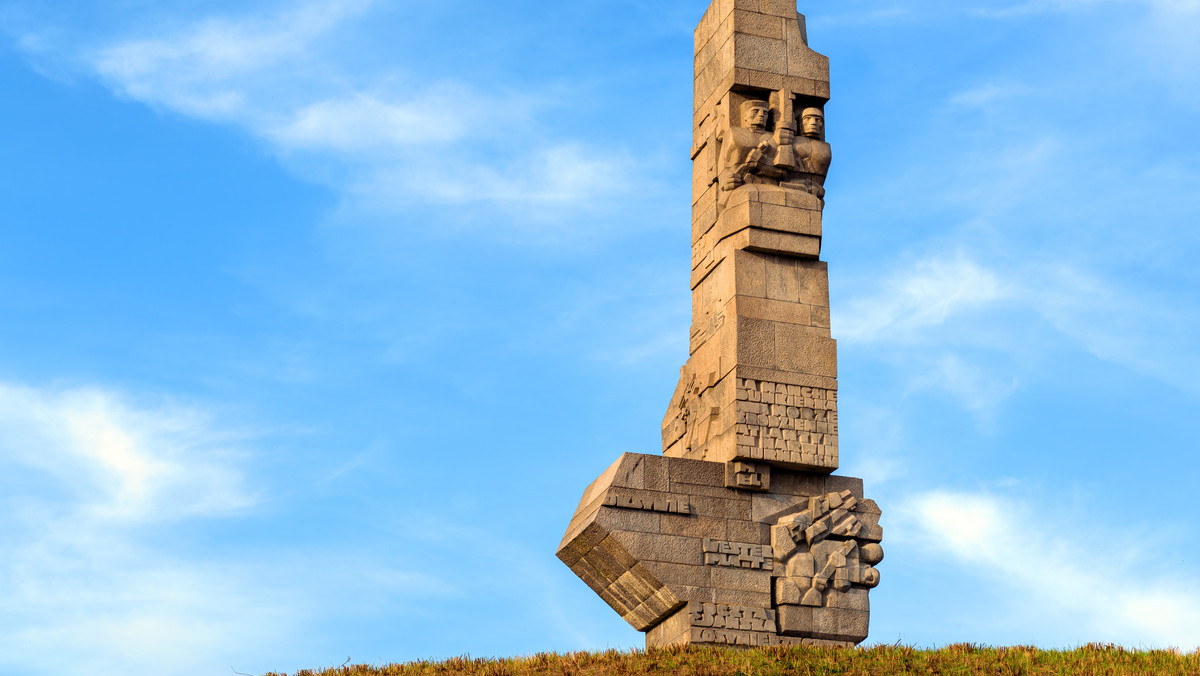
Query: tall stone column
{"points": [[739, 534], [761, 383]]}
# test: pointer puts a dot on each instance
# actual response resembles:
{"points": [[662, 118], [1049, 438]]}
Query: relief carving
{"points": [[748, 476], [823, 565], [752, 155]]}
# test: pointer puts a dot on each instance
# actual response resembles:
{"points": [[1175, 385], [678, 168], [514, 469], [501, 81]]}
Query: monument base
{"points": [[697, 552]]}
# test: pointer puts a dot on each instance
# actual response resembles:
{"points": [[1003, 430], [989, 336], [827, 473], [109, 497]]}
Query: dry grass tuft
{"points": [[962, 659]]}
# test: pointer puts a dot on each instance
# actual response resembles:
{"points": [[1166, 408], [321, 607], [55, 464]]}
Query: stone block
{"points": [[740, 579], [753, 23], [695, 472], [795, 620], [748, 531], [758, 53], [805, 349], [631, 472], [613, 549], [738, 597], [674, 630], [694, 526], [772, 242], [785, 9], [615, 519], [854, 599], [757, 79], [656, 469], [789, 219], [797, 484], [805, 63], [837, 484], [682, 575], [664, 548], [750, 275], [751, 307], [570, 552], [722, 508], [756, 342]]}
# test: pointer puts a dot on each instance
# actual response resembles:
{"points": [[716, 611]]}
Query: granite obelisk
{"points": [[739, 533]]}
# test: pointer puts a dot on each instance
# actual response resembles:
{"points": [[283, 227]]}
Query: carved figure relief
{"points": [[813, 154], [751, 154], [823, 565]]}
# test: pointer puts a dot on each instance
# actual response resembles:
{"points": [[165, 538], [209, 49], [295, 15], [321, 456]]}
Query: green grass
{"points": [[957, 659]]}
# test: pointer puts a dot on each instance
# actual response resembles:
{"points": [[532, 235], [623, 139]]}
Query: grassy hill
{"points": [[958, 659]]}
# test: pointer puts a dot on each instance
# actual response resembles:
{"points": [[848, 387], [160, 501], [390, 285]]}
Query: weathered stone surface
{"points": [[740, 535], [788, 565]]}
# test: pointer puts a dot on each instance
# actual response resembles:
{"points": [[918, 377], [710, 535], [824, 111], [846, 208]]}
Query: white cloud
{"points": [[202, 71], [945, 304], [378, 137], [975, 387], [1108, 588], [124, 463], [88, 478], [928, 295], [366, 124]]}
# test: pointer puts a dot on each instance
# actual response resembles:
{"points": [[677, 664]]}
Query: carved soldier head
{"points": [[754, 115], [812, 123]]}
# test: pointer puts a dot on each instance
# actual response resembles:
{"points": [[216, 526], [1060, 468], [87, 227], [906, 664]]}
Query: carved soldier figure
{"points": [[749, 150], [813, 154]]}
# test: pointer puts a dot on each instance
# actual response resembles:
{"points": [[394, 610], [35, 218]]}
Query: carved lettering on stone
{"points": [[756, 639], [786, 422], [738, 555], [647, 501], [748, 476], [720, 616]]}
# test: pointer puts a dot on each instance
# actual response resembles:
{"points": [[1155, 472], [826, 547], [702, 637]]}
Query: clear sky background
{"points": [[318, 317]]}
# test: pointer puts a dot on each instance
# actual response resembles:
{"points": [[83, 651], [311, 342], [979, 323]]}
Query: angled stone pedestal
{"points": [[739, 534], [781, 557]]}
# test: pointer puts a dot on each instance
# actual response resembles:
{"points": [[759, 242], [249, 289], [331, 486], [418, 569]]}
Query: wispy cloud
{"points": [[126, 464], [927, 295], [384, 138], [1106, 587], [964, 326], [88, 477]]}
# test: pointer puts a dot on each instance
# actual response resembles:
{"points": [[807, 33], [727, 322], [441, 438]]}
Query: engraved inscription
{"points": [[648, 501], [787, 423], [748, 476], [738, 555], [720, 616], [748, 638]]}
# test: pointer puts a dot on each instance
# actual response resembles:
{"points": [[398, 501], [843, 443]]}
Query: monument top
{"points": [[756, 45]]}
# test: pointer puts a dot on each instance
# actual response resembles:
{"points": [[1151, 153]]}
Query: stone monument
{"points": [[739, 534]]}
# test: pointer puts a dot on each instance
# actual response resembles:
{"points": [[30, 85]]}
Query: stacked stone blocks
{"points": [[739, 534]]}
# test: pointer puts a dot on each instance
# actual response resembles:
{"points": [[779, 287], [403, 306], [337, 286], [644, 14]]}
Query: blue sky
{"points": [[318, 317]]}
